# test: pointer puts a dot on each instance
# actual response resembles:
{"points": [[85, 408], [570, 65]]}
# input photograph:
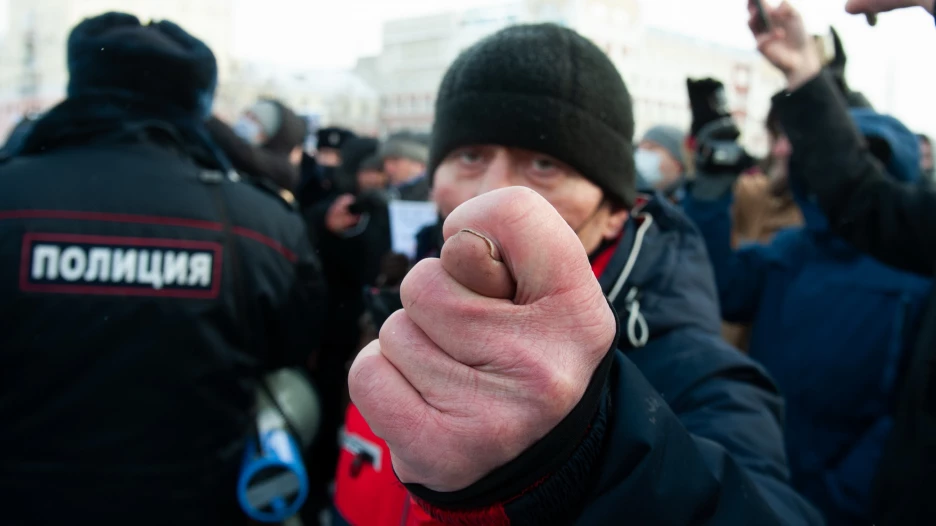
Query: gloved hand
{"points": [[719, 153], [715, 134], [708, 103], [497, 343], [836, 67]]}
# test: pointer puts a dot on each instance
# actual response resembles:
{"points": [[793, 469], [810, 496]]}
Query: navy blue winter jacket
{"points": [[831, 325], [689, 431]]}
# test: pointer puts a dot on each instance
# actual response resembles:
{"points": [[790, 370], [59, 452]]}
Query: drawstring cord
{"points": [[635, 319]]}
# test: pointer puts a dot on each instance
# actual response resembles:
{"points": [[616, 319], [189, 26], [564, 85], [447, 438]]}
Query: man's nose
{"points": [[499, 174]]}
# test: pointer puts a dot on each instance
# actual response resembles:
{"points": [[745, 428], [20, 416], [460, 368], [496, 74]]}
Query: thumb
{"points": [[514, 232], [857, 7], [474, 261]]}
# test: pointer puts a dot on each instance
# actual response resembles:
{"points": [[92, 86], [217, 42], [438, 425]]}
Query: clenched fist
{"points": [[496, 344]]}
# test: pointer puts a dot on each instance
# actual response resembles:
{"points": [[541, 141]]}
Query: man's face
{"points": [[471, 171], [372, 180], [402, 170], [669, 171], [328, 157]]}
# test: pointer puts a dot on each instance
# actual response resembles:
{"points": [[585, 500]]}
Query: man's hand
{"points": [[496, 344], [786, 45], [857, 7], [339, 218]]}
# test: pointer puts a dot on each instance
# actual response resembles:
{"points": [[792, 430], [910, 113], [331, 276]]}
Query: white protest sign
{"points": [[407, 218]]}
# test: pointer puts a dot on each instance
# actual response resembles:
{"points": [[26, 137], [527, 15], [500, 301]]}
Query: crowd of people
{"points": [[597, 328]]}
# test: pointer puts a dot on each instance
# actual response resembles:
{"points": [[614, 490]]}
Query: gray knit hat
{"points": [[406, 146], [671, 139]]}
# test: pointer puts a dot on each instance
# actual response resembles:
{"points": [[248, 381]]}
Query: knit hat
{"points": [[405, 145], [114, 53], [290, 131], [543, 88], [670, 138], [373, 163], [355, 151]]}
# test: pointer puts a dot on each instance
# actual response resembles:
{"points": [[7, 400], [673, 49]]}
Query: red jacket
{"points": [[367, 492]]}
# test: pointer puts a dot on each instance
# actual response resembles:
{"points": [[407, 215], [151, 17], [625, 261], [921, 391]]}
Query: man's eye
{"points": [[469, 157], [544, 165]]}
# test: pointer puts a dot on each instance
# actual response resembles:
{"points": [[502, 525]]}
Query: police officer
{"points": [[142, 292]]}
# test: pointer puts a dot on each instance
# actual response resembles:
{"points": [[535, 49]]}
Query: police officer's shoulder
{"points": [[248, 195], [5, 156], [261, 207], [266, 187]]}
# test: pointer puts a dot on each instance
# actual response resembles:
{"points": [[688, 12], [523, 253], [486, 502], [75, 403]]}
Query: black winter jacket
{"points": [[141, 295], [895, 223]]}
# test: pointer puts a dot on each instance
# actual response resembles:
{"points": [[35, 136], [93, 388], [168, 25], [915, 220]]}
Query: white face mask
{"points": [[648, 166], [248, 129]]}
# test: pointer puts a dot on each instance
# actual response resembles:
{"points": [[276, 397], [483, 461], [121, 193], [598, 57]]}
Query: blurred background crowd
{"points": [[328, 108]]}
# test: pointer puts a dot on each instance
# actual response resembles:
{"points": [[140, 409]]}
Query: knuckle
{"points": [[554, 390], [429, 291], [397, 322], [364, 377], [419, 282]]}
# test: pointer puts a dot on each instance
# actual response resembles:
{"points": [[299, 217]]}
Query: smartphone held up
{"points": [[763, 20]]}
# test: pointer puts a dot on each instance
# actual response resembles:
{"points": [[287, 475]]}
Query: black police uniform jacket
{"points": [[142, 292]]}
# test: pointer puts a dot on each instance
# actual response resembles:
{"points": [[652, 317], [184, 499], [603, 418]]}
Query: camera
{"points": [[368, 203]]}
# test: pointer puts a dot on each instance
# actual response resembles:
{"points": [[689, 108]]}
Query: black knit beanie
{"points": [[542, 88], [355, 151], [114, 53]]}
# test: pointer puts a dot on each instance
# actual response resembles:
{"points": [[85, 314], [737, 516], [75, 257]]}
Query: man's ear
{"points": [[614, 223]]}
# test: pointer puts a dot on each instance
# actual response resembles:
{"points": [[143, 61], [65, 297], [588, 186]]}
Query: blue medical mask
{"points": [[248, 129], [648, 166]]}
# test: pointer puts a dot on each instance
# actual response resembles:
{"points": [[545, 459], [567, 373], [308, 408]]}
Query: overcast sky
{"points": [[892, 63]]}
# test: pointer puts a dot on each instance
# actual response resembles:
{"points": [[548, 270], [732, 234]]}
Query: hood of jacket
{"points": [[903, 163], [660, 277]]}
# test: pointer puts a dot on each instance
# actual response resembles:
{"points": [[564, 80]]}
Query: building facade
{"points": [[325, 97], [33, 72], [654, 63]]}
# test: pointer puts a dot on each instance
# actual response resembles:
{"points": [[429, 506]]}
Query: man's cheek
{"points": [[449, 197]]}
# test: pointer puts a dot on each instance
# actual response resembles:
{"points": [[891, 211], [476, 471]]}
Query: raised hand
{"points": [[339, 217], [786, 44], [857, 7], [497, 343]]}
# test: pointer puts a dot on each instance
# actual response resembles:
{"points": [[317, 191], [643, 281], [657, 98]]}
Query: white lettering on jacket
{"points": [[65, 263]]}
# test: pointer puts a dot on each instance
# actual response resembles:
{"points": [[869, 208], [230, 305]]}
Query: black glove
{"points": [[837, 68], [369, 203], [717, 151], [708, 102]]}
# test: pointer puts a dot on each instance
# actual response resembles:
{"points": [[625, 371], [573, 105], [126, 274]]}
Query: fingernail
{"points": [[491, 247]]}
